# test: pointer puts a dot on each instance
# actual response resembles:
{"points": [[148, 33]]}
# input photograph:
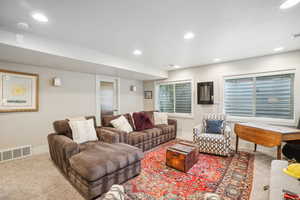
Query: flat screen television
{"points": [[205, 93]]}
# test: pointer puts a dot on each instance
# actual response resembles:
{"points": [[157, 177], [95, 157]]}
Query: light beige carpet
{"points": [[38, 179]]}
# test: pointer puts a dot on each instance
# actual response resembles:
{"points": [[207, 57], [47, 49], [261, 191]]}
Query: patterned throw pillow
{"points": [[214, 126]]}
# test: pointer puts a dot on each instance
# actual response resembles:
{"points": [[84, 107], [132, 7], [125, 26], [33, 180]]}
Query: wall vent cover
{"points": [[15, 153]]}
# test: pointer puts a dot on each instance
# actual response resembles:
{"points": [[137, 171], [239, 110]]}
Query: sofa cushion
{"points": [[153, 132], [142, 121], [166, 129], [88, 145], [104, 159], [138, 137]]}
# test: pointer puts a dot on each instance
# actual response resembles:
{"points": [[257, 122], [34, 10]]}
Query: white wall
{"points": [[131, 101], [76, 97], [216, 73]]}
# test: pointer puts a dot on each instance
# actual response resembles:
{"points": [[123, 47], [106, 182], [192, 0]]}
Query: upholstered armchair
{"points": [[219, 144]]}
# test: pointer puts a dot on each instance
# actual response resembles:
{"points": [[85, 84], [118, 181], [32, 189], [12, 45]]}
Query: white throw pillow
{"points": [[160, 118], [83, 130], [122, 124]]}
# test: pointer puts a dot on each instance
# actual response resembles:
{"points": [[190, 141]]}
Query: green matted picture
{"points": [[19, 92]]}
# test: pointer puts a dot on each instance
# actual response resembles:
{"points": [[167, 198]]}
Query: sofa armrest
{"points": [[61, 149], [107, 135], [173, 122], [123, 136]]}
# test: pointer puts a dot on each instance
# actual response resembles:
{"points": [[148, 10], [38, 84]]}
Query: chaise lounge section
{"points": [[145, 139], [92, 167]]}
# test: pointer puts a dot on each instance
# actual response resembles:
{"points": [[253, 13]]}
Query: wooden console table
{"points": [[265, 135]]}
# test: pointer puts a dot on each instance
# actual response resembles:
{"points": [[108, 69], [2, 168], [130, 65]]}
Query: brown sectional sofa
{"points": [[93, 167], [145, 139]]}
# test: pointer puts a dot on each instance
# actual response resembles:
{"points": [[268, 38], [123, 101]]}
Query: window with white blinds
{"points": [[260, 96], [175, 97]]}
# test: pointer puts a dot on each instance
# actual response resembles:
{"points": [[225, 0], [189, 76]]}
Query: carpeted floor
{"points": [[38, 179]]}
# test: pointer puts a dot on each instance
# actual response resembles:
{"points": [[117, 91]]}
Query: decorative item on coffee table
{"points": [[182, 156]]}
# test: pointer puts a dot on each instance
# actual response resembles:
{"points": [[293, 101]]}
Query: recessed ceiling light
{"points": [[288, 4], [40, 17], [23, 25], [137, 52], [189, 35], [217, 60], [278, 49]]}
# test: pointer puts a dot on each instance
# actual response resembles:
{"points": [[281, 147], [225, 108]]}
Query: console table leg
{"points": [[279, 152], [255, 147], [237, 144]]}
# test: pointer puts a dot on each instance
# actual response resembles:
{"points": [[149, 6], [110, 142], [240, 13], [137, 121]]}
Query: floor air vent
{"points": [[15, 153]]}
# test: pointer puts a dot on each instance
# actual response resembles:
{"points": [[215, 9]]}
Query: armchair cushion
{"points": [[214, 126], [212, 138]]}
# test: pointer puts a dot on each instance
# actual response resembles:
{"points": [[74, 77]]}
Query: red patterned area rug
{"points": [[229, 177]]}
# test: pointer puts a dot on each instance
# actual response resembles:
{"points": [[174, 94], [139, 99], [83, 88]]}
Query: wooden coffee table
{"points": [[182, 156]]}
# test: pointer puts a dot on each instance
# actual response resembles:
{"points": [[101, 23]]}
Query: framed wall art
{"points": [[19, 92], [147, 94]]}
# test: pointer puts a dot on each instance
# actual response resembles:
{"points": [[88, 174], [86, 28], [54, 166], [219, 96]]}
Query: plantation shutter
{"points": [[239, 97], [183, 96], [166, 98], [274, 96]]}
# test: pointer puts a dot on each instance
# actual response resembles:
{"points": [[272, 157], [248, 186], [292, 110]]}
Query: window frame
{"points": [[276, 121], [179, 115]]}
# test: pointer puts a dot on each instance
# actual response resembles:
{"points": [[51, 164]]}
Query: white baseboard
{"points": [[40, 149]]}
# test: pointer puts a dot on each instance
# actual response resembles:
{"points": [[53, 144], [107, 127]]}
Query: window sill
{"points": [[273, 121], [180, 115]]}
